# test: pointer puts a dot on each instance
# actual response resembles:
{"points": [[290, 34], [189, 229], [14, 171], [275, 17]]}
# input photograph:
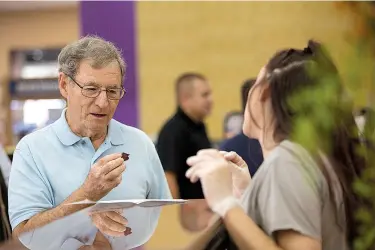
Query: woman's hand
{"points": [[214, 172], [240, 172]]}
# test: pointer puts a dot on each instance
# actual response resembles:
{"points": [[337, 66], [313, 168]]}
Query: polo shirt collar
{"points": [[115, 133], [68, 138]]}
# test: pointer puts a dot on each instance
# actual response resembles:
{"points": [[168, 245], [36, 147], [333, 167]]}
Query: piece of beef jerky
{"points": [[125, 156]]}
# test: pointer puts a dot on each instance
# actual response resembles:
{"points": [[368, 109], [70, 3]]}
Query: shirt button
{"points": [[83, 142]]}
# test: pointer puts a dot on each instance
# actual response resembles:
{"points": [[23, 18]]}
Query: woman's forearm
{"points": [[245, 233]]}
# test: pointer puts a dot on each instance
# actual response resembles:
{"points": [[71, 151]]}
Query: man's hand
{"points": [[100, 243], [111, 223], [104, 175]]}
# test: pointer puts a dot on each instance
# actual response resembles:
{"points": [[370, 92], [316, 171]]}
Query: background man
{"points": [[232, 125], [182, 136]]}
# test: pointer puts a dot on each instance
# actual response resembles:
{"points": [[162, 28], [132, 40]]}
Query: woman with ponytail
{"points": [[302, 196]]}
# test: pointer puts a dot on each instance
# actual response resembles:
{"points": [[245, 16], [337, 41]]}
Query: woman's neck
{"points": [[266, 150], [268, 143]]}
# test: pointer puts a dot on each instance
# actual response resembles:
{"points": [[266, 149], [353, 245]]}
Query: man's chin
{"points": [[96, 126], [207, 114]]}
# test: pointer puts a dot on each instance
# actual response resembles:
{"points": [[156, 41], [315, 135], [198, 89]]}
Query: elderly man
{"points": [[80, 155]]}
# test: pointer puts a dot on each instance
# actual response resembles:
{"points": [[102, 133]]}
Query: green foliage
{"points": [[315, 106], [364, 187], [319, 112], [361, 82]]}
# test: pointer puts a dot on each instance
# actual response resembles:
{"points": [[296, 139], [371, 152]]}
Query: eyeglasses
{"points": [[92, 91]]}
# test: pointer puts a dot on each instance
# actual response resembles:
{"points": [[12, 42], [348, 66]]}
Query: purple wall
{"points": [[115, 21]]}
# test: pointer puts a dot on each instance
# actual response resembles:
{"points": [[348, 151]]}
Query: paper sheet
{"points": [[142, 220], [100, 206]]}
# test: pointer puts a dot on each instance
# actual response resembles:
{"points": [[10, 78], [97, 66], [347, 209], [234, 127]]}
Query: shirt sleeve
{"points": [[159, 188], [5, 165], [170, 149], [289, 198], [28, 193]]}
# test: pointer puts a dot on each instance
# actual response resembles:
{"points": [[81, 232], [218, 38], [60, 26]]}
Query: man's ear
{"points": [[63, 85], [185, 97]]}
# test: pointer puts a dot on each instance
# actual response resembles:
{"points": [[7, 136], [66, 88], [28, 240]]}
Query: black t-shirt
{"points": [[180, 138], [5, 229]]}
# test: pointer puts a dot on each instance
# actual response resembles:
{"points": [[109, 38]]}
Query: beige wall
{"points": [[34, 29], [227, 41]]}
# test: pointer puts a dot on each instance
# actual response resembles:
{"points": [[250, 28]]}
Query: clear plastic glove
{"points": [[214, 171], [240, 172]]}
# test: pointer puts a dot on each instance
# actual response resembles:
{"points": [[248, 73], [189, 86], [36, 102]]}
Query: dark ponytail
{"points": [[291, 73]]}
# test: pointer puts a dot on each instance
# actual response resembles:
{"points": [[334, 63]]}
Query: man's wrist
{"points": [[85, 194]]}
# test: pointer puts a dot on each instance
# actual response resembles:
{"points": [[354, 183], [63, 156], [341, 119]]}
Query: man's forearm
{"points": [[196, 222], [53, 214], [195, 216], [173, 185]]}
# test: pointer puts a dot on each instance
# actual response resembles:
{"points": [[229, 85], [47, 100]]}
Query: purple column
{"points": [[115, 22]]}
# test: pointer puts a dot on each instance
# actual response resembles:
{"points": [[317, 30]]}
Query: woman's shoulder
{"points": [[289, 153], [288, 161]]}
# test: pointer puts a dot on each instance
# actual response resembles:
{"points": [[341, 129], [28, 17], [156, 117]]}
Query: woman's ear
{"points": [[265, 92]]}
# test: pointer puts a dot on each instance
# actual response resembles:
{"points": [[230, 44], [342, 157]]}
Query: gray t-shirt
{"points": [[290, 192]]}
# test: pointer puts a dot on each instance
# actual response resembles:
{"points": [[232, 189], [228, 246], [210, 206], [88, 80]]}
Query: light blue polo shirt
{"points": [[51, 163]]}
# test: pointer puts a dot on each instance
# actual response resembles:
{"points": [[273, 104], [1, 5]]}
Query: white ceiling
{"points": [[6, 6]]}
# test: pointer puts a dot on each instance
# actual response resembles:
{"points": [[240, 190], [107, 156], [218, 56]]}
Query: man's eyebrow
{"points": [[93, 83], [115, 86]]}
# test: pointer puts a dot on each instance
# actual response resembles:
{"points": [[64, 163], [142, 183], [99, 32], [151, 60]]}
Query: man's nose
{"points": [[210, 99], [102, 99]]}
